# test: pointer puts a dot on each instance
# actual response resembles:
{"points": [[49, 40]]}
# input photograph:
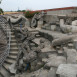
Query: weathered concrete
{"points": [[40, 24], [67, 28], [53, 34], [71, 55], [75, 43], [55, 61], [70, 45], [53, 27], [30, 57], [67, 70], [62, 40], [52, 72], [74, 22]]}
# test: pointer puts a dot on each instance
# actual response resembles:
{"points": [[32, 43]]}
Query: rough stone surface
{"points": [[35, 65], [75, 43], [74, 22], [53, 27], [62, 40], [30, 57], [52, 72], [55, 61], [70, 45], [67, 70], [71, 55], [40, 24]]}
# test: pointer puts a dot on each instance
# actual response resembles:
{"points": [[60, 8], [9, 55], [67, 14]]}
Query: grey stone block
{"points": [[43, 73], [55, 61], [71, 55], [67, 70], [52, 72], [70, 45], [53, 27]]}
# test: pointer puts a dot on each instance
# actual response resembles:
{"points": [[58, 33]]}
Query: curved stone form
{"points": [[33, 22], [63, 40], [16, 20], [36, 18]]}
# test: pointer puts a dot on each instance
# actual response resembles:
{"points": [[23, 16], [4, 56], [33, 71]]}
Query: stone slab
{"points": [[55, 61], [67, 70], [71, 55]]}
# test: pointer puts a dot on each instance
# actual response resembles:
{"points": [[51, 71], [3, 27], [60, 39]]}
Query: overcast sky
{"points": [[8, 5]]}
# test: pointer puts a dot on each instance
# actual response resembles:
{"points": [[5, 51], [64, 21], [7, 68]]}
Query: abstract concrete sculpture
{"points": [[17, 20], [36, 18]]}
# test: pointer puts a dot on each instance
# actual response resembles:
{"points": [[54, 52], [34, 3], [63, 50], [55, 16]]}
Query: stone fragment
{"points": [[60, 52], [12, 68], [30, 57], [36, 64], [58, 47], [75, 43], [40, 24], [67, 70], [62, 40], [44, 60], [71, 55], [70, 45], [46, 49], [74, 22], [55, 61], [52, 72], [53, 27], [43, 73]]}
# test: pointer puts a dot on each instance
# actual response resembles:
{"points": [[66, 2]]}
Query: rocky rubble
{"points": [[53, 54], [47, 56]]}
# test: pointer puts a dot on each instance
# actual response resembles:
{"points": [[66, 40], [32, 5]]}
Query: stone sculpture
{"points": [[68, 28], [63, 40], [36, 17], [17, 20]]}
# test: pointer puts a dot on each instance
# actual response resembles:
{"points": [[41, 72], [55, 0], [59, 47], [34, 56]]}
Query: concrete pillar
{"points": [[61, 22], [40, 24], [53, 27]]}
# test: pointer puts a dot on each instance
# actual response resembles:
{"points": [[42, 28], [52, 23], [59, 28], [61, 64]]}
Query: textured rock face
{"points": [[46, 26], [53, 27], [62, 40], [56, 61], [51, 18], [40, 24], [71, 55], [68, 28], [74, 22], [52, 72], [37, 64], [67, 70], [53, 55], [30, 57], [75, 43]]}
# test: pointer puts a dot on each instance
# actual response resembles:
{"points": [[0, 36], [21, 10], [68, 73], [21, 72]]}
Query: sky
{"points": [[14, 5]]}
